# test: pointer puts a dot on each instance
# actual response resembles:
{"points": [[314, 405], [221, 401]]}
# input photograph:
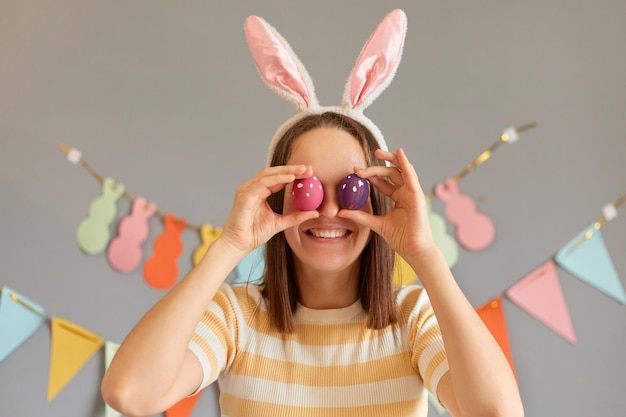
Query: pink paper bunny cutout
{"points": [[125, 252], [474, 231]]}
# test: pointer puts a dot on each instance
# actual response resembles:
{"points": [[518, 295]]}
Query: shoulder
{"points": [[412, 301], [243, 299], [243, 293], [410, 296]]}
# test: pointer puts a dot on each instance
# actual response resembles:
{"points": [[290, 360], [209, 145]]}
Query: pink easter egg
{"points": [[353, 192], [307, 193]]}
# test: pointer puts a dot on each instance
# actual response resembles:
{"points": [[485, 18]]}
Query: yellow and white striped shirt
{"points": [[332, 365]]}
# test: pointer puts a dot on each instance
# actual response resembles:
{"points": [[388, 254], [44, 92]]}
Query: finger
{"points": [[308, 172], [295, 218], [362, 218], [385, 155], [385, 187], [408, 170], [392, 174], [276, 183], [297, 170], [275, 178], [401, 161]]}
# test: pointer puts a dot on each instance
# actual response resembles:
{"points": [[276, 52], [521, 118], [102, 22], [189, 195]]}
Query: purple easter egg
{"points": [[353, 192], [307, 193]]}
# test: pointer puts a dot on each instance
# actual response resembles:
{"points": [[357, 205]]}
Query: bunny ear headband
{"points": [[281, 69]]}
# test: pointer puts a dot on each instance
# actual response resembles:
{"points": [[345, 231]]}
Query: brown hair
{"points": [[280, 287]]}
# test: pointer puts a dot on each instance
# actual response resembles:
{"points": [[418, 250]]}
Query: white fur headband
{"points": [[281, 69]]}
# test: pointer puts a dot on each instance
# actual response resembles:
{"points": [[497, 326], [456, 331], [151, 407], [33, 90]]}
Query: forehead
{"points": [[327, 146]]}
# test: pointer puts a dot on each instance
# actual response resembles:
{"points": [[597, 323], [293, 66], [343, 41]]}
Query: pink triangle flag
{"points": [[541, 296]]}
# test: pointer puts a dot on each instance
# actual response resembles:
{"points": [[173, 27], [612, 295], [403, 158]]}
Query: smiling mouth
{"points": [[328, 234]]}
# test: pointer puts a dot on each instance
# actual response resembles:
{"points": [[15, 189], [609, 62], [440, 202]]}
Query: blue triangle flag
{"points": [[251, 268], [587, 258], [19, 319]]}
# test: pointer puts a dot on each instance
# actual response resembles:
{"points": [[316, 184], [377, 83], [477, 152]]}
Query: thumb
{"points": [[362, 218], [293, 219]]}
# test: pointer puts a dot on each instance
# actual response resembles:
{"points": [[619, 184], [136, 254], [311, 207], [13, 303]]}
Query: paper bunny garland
{"points": [[283, 72]]}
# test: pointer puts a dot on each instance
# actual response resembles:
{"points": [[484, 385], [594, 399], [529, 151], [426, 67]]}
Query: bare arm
{"points": [[480, 381], [153, 369]]}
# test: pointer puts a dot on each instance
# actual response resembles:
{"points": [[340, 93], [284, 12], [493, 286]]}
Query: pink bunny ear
{"points": [[140, 205], [377, 63], [278, 65]]}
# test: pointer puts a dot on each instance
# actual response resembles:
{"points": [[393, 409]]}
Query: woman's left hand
{"points": [[405, 227]]}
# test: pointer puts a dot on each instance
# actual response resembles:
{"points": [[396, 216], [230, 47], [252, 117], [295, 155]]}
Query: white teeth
{"points": [[328, 234]]}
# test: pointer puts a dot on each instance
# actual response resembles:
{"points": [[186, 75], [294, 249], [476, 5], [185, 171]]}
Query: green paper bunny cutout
{"points": [[94, 233], [445, 241]]}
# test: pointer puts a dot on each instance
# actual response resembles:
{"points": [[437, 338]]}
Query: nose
{"points": [[330, 203]]}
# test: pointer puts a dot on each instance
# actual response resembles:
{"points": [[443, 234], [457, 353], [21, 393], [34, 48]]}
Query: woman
{"points": [[325, 333], [327, 253]]}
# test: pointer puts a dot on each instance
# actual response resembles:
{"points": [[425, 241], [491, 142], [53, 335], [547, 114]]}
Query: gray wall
{"points": [[164, 97]]}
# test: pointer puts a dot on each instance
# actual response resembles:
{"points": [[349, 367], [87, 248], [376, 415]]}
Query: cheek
{"points": [[291, 237]]}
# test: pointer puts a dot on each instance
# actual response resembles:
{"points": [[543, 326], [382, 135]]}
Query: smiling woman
{"points": [[326, 332], [333, 145]]}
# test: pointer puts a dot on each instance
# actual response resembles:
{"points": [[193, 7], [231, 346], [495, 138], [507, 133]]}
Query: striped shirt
{"points": [[332, 365]]}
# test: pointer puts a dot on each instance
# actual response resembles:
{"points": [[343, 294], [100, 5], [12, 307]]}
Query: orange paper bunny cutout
{"points": [[161, 270]]}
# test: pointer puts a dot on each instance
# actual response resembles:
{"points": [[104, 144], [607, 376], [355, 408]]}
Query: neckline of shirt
{"points": [[328, 315]]}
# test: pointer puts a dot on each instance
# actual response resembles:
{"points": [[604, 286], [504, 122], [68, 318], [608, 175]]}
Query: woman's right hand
{"points": [[252, 222]]}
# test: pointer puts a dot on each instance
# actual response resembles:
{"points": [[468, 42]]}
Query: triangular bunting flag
{"points": [[541, 296], [492, 314], [251, 268], [19, 320], [110, 348], [71, 347], [184, 407], [586, 258], [403, 274]]}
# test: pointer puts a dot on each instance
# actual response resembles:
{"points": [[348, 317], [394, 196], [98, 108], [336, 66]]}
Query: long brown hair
{"points": [[280, 287]]}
